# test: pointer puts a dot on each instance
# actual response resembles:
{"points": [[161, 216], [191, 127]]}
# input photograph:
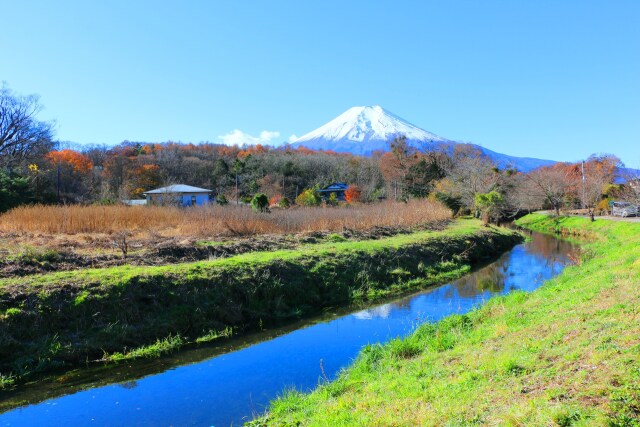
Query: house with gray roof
{"points": [[180, 195]]}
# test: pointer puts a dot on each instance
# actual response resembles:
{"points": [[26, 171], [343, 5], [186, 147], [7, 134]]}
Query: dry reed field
{"points": [[211, 221]]}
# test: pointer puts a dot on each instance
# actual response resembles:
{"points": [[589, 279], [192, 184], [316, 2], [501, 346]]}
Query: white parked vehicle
{"points": [[624, 209]]}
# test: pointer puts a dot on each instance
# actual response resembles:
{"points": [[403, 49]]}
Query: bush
{"points": [[275, 200], [222, 200], [308, 197], [333, 200], [602, 207], [279, 201], [336, 238], [260, 203], [106, 202], [490, 204], [284, 203], [453, 203]]}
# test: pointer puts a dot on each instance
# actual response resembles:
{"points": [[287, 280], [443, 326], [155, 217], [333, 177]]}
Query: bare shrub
{"points": [[121, 241]]}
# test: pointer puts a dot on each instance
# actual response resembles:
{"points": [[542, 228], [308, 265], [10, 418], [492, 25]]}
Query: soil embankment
{"points": [[63, 318]]}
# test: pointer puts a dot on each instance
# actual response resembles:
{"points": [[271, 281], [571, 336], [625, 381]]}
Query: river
{"points": [[230, 383]]}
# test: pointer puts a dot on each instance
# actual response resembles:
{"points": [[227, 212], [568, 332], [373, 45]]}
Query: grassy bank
{"points": [[567, 354], [127, 311]]}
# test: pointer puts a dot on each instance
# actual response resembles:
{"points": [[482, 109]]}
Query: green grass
{"points": [[567, 354], [6, 381], [215, 335], [157, 349], [37, 256], [336, 238], [114, 275], [69, 317]]}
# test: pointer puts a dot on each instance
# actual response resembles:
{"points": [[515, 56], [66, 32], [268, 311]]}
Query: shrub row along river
{"points": [[230, 383]]}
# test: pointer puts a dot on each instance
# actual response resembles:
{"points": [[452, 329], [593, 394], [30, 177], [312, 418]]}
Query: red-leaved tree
{"points": [[352, 194]]}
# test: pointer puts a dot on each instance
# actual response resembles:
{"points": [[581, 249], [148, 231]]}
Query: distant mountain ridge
{"points": [[364, 130]]}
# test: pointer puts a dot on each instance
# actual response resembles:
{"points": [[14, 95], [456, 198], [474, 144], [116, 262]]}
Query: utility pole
{"points": [[583, 180], [238, 166], [58, 181]]}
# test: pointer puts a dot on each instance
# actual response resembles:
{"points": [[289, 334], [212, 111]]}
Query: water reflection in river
{"points": [[191, 389]]}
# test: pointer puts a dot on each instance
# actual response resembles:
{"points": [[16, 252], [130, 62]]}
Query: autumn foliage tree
{"points": [[71, 171], [598, 172], [117, 168], [70, 159], [552, 186], [144, 178], [451, 174], [395, 165], [275, 200], [352, 194]]}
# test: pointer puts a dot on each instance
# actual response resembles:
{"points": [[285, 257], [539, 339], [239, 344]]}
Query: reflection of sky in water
{"points": [[381, 312], [234, 386]]}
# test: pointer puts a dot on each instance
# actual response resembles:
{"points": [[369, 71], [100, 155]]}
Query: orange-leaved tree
{"points": [[145, 178], [70, 173], [352, 194], [274, 200], [73, 160]]}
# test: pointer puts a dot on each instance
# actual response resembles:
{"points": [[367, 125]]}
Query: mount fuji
{"points": [[363, 130]]}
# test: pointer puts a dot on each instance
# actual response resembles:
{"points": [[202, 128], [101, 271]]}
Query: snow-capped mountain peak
{"points": [[363, 130]]}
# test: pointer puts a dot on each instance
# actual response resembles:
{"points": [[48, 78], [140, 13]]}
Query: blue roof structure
{"points": [[178, 188], [336, 186]]}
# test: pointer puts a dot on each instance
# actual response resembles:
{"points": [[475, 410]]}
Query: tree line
{"points": [[34, 168]]}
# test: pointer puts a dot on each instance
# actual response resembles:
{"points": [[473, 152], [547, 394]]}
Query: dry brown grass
{"points": [[216, 220]]}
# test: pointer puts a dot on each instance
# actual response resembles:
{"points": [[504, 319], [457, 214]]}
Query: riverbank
{"points": [[567, 354], [112, 314]]}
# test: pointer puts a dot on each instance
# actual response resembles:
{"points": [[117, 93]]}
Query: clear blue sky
{"points": [[549, 79]]}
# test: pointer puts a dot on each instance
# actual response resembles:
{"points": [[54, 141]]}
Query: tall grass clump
{"points": [[218, 220]]}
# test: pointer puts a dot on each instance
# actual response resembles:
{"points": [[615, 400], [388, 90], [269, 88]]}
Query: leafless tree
{"points": [[22, 136], [596, 174], [471, 173], [550, 185], [631, 189]]}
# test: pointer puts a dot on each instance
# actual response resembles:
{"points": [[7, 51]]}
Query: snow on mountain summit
{"points": [[362, 130]]}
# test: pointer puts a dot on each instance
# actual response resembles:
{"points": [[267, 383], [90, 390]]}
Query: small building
{"points": [[179, 195], [337, 187]]}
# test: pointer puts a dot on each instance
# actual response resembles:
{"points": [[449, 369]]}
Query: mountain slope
{"points": [[363, 130]]}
